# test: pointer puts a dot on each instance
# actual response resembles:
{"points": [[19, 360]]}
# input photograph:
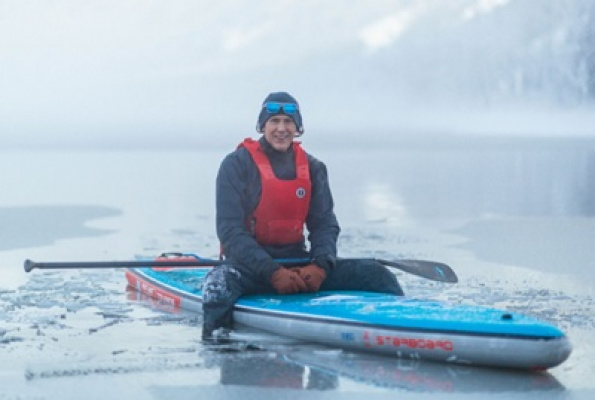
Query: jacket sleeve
{"points": [[321, 221], [232, 206]]}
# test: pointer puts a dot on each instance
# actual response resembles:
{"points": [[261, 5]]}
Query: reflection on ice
{"points": [[382, 204], [309, 368]]}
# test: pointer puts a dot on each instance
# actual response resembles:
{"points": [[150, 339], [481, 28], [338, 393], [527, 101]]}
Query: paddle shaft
{"points": [[426, 269]]}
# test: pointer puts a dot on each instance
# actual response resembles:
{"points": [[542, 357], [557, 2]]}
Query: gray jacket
{"points": [[237, 195]]}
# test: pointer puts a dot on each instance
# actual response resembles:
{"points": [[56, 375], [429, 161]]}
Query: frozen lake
{"points": [[514, 217]]}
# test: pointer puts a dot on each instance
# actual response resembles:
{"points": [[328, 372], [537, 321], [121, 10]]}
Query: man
{"points": [[267, 191]]}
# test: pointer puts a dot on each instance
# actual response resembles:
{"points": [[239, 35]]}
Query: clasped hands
{"points": [[298, 279]]}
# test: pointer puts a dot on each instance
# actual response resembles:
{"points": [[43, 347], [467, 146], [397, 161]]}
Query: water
{"points": [[513, 217]]}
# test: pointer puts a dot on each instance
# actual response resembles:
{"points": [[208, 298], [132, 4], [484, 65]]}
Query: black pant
{"points": [[224, 285]]}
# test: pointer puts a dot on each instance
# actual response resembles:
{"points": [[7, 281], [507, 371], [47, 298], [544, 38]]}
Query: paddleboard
{"points": [[377, 323]]}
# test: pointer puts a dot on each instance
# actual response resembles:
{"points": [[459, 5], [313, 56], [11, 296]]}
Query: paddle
{"points": [[426, 269]]}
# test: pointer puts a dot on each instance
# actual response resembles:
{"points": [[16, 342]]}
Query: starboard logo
{"points": [[300, 193]]}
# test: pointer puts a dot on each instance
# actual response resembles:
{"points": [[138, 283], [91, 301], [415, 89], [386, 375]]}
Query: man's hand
{"points": [[288, 281], [312, 275]]}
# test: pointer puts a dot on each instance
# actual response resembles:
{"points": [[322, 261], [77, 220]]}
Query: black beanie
{"points": [[279, 97]]}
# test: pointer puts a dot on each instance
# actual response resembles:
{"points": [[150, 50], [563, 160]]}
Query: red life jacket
{"points": [[281, 213]]}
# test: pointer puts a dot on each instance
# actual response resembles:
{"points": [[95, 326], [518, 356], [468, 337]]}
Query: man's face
{"points": [[279, 131]]}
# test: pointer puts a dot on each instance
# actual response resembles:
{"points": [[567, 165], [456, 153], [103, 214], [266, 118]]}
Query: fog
{"points": [[175, 74]]}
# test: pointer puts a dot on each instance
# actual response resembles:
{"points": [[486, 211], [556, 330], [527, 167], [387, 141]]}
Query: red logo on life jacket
{"points": [[281, 213]]}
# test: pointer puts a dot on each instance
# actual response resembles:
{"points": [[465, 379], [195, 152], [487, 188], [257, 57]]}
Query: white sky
{"points": [[158, 72]]}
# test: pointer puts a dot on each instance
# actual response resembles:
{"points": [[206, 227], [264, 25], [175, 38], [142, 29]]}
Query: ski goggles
{"points": [[274, 107]]}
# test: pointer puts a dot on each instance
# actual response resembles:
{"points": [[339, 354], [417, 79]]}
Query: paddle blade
{"points": [[426, 269]]}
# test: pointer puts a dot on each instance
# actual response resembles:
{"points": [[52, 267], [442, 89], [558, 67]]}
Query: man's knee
{"points": [[376, 277], [220, 286], [387, 280]]}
